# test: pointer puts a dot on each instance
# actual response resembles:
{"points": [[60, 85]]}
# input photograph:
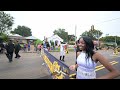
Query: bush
{"points": [[4, 37], [71, 49], [71, 43]]}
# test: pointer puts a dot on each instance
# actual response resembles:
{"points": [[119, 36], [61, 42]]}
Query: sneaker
{"points": [[10, 61]]}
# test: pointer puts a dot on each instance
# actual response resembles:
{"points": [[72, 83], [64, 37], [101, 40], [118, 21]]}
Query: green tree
{"points": [[4, 37], [86, 33], [23, 31], [110, 39], [61, 33], [71, 37], [6, 22], [94, 34], [38, 41]]}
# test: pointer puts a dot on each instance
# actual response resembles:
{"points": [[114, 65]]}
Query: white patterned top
{"points": [[86, 67]]}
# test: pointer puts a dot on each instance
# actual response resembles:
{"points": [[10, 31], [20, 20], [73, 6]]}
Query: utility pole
{"points": [[98, 39], [75, 33], [115, 41]]}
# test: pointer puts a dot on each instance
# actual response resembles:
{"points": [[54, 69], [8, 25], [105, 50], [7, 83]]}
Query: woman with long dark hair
{"points": [[87, 60]]}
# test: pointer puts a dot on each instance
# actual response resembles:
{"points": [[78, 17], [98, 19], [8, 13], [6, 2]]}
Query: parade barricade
{"points": [[57, 68]]}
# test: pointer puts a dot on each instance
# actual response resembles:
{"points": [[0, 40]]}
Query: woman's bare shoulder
{"points": [[97, 54], [99, 57], [78, 53]]}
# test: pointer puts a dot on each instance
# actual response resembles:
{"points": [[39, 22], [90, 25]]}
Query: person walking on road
{"points": [[10, 49], [17, 49], [62, 51]]}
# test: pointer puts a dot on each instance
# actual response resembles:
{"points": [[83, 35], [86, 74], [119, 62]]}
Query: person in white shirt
{"points": [[87, 61], [62, 51]]}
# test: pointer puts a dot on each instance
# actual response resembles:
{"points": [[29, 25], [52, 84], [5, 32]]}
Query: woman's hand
{"points": [[72, 67]]}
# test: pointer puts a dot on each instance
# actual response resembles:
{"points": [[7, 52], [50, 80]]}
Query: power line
{"points": [[102, 22], [109, 20]]}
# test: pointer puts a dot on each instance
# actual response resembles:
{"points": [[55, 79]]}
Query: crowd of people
{"points": [[10, 48]]}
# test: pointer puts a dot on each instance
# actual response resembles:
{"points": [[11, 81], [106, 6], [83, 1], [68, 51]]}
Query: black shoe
{"points": [[10, 61], [19, 56], [15, 57]]}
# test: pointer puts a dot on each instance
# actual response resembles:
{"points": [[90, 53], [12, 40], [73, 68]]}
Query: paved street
{"points": [[29, 66], [114, 59]]}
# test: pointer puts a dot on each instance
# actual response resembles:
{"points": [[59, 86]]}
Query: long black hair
{"points": [[89, 46]]}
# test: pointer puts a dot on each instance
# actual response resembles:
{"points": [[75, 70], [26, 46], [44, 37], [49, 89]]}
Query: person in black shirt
{"points": [[1, 47], [47, 46], [10, 49], [17, 49]]}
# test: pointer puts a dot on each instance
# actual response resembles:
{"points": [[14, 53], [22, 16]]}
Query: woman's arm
{"points": [[103, 60], [73, 67], [76, 65]]}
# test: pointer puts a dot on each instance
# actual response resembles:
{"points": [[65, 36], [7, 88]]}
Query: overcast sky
{"points": [[43, 23]]}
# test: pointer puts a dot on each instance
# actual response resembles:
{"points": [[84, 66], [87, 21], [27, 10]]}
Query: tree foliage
{"points": [[71, 37], [38, 41], [6, 22], [94, 34], [111, 39], [61, 33], [23, 31], [4, 37]]}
